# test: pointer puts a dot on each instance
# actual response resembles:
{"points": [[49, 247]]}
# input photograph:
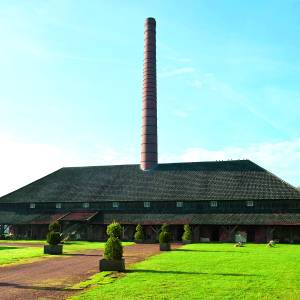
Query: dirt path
{"points": [[22, 244], [50, 279]]}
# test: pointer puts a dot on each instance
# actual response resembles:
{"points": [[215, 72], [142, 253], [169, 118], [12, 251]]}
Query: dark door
{"points": [[251, 235], [215, 235]]}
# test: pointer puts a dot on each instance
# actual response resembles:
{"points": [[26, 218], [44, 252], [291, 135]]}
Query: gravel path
{"points": [[22, 244], [52, 278]]}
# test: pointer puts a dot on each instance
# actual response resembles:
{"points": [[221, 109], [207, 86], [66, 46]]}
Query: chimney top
{"points": [[150, 20]]}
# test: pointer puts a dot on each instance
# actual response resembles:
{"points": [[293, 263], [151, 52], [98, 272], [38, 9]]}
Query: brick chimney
{"points": [[149, 112]]}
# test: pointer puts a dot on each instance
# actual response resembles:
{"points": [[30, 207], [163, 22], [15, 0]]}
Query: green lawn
{"points": [[206, 271], [12, 254]]}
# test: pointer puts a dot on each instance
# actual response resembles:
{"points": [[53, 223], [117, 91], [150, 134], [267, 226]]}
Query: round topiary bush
{"points": [[53, 238], [54, 227], [113, 247], [139, 234], [114, 230], [187, 235]]}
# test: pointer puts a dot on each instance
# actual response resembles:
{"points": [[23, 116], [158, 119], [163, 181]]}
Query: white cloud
{"points": [[22, 162]]}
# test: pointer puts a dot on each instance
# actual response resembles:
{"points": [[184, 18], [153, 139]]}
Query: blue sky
{"points": [[71, 84]]}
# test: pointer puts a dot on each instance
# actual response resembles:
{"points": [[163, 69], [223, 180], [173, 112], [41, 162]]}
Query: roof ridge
{"points": [[283, 181]]}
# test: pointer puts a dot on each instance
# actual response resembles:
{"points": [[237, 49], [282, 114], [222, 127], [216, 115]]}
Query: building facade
{"points": [[221, 200]]}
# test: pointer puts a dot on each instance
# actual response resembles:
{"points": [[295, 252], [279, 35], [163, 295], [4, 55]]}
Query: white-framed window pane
{"points": [[213, 203], [32, 205], [250, 203], [146, 204], [179, 204], [58, 205], [85, 205], [115, 204]]}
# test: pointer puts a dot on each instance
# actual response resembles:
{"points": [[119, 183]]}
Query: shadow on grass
{"points": [[224, 251], [9, 247], [33, 287], [189, 273]]}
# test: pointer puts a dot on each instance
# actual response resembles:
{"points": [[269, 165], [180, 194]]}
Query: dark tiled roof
{"points": [[202, 219], [79, 216], [9, 217], [220, 180], [154, 219]]}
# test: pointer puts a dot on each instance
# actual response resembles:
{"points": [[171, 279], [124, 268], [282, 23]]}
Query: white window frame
{"points": [[58, 205], [213, 203], [32, 205], [179, 204], [249, 203], [147, 204], [115, 204], [86, 205]]}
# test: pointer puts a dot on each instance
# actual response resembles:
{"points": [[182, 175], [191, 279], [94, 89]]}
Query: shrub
{"points": [[114, 230], [53, 238], [187, 235], [165, 227], [113, 247], [54, 227], [164, 237], [139, 234]]}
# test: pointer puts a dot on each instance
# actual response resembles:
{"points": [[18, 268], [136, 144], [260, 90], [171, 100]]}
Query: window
{"points": [[179, 204], [249, 203], [58, 205], [146, 204], [213, 204], [115, 204], [32, 205], [85, 205]]}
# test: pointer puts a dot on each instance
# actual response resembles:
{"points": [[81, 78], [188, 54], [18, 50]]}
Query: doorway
{"points": [[215, 235]]}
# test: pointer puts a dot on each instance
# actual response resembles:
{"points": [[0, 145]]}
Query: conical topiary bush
{"points": [[139, 234], [187, 234], [164, 238]]}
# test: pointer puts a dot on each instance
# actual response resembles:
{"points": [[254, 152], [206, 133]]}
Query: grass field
{"points": [[206, 271], [12, 254]]}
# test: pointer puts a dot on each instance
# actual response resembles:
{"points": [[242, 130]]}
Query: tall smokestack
{"points": [[149, 113]]}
